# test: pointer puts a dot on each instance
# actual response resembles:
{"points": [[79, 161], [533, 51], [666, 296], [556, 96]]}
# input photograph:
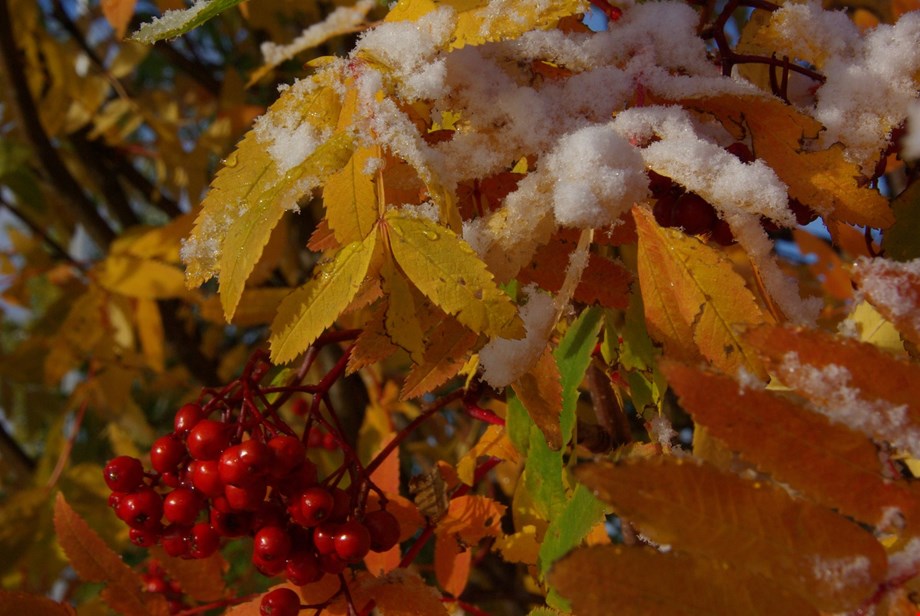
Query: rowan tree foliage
{"points": [[487, 307]]}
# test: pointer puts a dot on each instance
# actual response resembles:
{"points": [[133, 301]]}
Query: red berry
{"points": [[332, 564], [300, 407], [330, 443], [316, 504], [208, 439], [245, 464], [175, 540], [203, 540], [342, 506], [269, 514], [249, 498], [142, 509], [741, 150], [123, 474], [303, 567], [315, 438], [187, 417], [155, 584], [268, 568], [280, 602], [271, 543], [324, 538], [232, 524], [181, 506], [289, 453], [205, 477], [384, 529], [167, 454], [115, 498], [298, 480], [143, 538], [694, 214], [352, 541]]}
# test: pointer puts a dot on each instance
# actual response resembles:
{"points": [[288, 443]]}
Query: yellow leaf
{"points": [[494, 442], [449, 344], [140, 278], [257, 307], [247, 236], [472, 518], [521, 547], [694, 301], [706, 512], [251, 177], [894, 289], [402, 322], [308, 311], [162, 243], [350, 199], [824, 180], [640, 581], [94, 561], [446, 270], [150, 332]]}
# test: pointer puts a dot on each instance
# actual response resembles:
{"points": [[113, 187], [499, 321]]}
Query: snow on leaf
{"points": [[308, 311], [851, 382], [176, 22], [691, 293], [823, 180], [540, 390], [247, 236], [702, 511], [94, 561], [446, 270], [894, 289], [841, 470], [350, 199], [681, 584]]}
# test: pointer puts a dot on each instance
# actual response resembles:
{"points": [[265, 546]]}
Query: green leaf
{"points": [[174, 23], [582, 513], [518, 422], [308, 311], [573, 355], [543, 474], [900, 241]]}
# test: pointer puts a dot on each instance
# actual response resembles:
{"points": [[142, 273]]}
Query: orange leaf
{"points": [[694, 301], [451, 564], [894, 289], [19, 603], [852, 382], [540, 390], [640, 581], [471, 518], [840, 470], [118, 13], [94, 561], [201, 579], [373, 344], [828, 268], [707, 512], [494, 442], [450, 342]]}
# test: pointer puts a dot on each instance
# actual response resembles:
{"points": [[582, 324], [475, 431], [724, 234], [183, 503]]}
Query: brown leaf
{"points": [[640, 581], [540, 390], [832, 465], [852, 382], [19, 603], [201, 579], [118, 13], [447, 352], [94, 561], [694, 301], [707, 512]]}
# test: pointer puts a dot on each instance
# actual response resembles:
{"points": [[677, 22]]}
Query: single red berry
{"points": [[302, 567], [182, 506], [384, 529], [171, 480], [694, 214], [205, 477], [741, 150], [352, 541], [330, 443], [175, 540], [300, 407], [315, 438], [280, 602], [289, 453], [249, 498], [332, 564], [123, 474], [176, 605], [316, 504], [115, 498], [155, 584], [342, 506], [664, 209], [208, 439], [271, 543], [142, 509], [722, 234], [143, 538], [324, 538], [232, 524], [268, 568], [187, 417], [203, 540], [167, 454], [245, 464]]}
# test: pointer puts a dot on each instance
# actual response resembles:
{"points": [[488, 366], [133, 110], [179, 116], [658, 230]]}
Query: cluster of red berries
{"points": [[676, 207], [156, 581], [233, 468]]}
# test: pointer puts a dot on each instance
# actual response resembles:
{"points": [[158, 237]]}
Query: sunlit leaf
{"points": [[471, 518], [448, 347], [451, 564], [894, 289], [350, 198], [680, 584], [174, 23], [754, 525], [309, 310], [540, 390], [118, 13], [140, 278], [582, 512]]}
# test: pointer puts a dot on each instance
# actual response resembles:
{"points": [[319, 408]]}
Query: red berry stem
{"points": [[477, 412]]}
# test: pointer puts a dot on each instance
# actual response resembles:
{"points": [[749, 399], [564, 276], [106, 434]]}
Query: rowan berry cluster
{"points": [[232, 467], [676, 207]]}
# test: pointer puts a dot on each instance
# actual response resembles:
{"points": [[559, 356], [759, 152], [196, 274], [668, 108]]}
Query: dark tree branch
{"points": [[186, 346], [72, 195], [37, 229], [13, 454]]}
